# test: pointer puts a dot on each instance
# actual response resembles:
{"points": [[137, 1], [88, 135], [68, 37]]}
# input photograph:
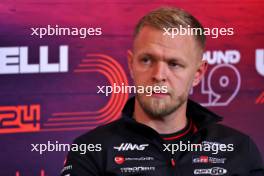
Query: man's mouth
{"points": [[159, 95]]}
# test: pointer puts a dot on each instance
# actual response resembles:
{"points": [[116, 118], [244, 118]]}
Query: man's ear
{"points": [[130, 62], [200, 72]]}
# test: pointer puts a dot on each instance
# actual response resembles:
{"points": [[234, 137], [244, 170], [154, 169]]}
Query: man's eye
{"points": [[146, 60], [173, 64]]}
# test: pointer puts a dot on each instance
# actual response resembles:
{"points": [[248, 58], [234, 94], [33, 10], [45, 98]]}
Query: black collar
{"points": [[200, 115]]}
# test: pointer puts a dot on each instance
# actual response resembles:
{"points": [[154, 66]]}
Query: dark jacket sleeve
{"points": [[79, 164], [256, 162]]}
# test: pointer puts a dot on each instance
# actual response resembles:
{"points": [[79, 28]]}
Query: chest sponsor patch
{"points": [[137, 169], [121, 159], [208, 159], [210, 171], [131, 147]]}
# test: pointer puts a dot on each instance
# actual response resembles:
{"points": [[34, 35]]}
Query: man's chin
{"points": [[160, 107], [156, 107], [157, 110]]}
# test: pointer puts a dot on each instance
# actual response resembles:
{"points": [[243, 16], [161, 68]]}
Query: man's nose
{"points": [[159, 72]]}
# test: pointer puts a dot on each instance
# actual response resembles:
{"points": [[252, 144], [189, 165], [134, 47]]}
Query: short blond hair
{"points": [[171, 17]]}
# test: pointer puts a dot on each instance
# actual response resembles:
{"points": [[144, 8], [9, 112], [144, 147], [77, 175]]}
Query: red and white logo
{"points": [[119, 159], [204, 159], [207, 159]]}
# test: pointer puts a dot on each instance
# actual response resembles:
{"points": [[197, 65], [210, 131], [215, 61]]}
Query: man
{"points": [[150, 137]]}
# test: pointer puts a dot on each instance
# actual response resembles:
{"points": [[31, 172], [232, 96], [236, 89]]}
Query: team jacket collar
{"points": [[200, 115]]}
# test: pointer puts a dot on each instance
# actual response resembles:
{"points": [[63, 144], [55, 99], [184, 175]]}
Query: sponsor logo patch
{"points": [[207, 159], [119, 159], [210, 171], [137, 169], [130, 146], [122, 159]]}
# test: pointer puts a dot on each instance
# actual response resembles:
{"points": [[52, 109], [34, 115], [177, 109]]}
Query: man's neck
{"points": [[172, 123]]}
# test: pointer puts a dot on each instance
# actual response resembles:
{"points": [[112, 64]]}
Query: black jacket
{"points": [[130, 148]]}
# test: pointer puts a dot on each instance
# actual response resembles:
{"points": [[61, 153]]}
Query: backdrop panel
{"points": [[48, 84]]}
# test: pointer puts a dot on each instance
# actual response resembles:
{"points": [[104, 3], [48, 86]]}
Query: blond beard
{"points": [[158, 108]]}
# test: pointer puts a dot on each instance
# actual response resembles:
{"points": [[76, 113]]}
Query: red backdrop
{"points": [[60, 105]]}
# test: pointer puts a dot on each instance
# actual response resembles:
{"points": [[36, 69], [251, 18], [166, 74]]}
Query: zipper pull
{"points": [[173, 163]]}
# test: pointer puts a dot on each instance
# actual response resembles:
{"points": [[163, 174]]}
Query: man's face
{"points": [[158, 59]]}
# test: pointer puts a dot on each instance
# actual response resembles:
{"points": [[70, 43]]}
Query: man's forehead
{"points": [[152, 40]]}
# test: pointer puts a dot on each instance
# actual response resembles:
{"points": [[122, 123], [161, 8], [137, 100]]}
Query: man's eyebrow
{"points": [[151, 56], [169, 59]]}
